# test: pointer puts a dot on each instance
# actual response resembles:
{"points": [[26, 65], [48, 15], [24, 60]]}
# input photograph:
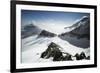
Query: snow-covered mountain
{"points": [[79, 34], [29, 30], [32, 29], [45, 33], [79, 22], [71, 45]]}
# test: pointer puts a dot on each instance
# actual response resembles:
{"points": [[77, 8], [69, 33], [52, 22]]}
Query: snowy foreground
{"points": [[33, 47]]}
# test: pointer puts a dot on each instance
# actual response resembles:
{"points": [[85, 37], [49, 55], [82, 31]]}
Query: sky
{"points": [[50, 20]]}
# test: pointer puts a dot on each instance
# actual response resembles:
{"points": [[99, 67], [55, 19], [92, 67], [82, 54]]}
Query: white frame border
{"points": [[50, 8]]}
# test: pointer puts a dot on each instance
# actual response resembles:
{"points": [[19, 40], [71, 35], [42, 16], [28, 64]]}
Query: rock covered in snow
{"points": [[54, 51], [45, 33]]}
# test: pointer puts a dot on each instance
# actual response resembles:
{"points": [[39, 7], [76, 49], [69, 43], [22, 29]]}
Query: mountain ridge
{"points": [[80, 33]]}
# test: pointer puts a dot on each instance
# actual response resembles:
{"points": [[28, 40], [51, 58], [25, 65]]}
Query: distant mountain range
{"points": [[29, 30]]}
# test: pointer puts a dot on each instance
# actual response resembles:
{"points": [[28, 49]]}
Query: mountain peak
{"points": [[45, 33], [29, 30], [79, 22], [79, 32]]}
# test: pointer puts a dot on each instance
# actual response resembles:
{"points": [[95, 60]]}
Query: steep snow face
{"points": [[83, 27], [80, 35], [33, 48], [79, 22]]}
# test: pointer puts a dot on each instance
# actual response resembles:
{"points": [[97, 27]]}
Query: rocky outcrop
{"points": [[54, 51], [81, 56]]}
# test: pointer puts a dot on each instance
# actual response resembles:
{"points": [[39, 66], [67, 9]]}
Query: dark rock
{"points": [[77, 56], [68, 57], [82, 55], [45, 33], [88, 57], [53, 50], [43, 54], [57, 56]]}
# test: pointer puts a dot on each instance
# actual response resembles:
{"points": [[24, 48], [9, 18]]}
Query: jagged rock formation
{"points": [[54, 51], [80, 56]]}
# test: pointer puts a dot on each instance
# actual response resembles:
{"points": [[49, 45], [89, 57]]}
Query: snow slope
{"points": [[33, 47]]}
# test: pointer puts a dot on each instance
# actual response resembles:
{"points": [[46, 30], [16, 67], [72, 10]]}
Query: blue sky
{"points": [[67, 18]]}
